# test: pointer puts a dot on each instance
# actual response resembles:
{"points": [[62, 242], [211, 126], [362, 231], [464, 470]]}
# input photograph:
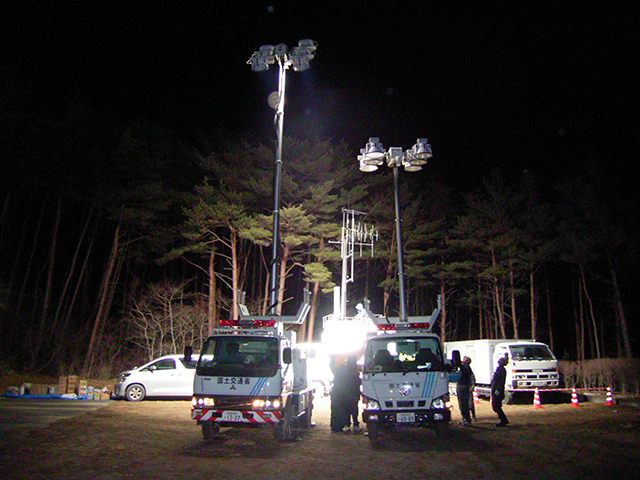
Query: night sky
{"points": [[541, 86]]}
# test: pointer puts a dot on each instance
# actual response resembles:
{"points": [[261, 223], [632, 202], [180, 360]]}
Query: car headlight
{"points": [[441, 402], [371, 404], [203, 402]]}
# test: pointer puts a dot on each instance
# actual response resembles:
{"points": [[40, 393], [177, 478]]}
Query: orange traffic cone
{"points": [[476, 398], [609, 402], [574, 398], [536, 399]]}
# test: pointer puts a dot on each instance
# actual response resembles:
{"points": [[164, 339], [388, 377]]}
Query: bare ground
{"points": [[157, 439]]}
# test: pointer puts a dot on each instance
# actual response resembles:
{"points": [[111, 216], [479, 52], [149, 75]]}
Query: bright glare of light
{"points": [[346, 334]]}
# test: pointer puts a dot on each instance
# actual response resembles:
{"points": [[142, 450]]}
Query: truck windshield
{"points": [[398, 354], [239, 356], [531, 352]]}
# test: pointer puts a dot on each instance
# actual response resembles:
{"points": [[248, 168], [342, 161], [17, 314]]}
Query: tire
{"points": [[283, 430], [373, 431], [135, 393], [210, 430], [442, 430]]}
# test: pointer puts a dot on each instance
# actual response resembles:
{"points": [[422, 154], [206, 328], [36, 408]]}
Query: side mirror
{"points": [[287, 355], [455, 355], [188, 351]]}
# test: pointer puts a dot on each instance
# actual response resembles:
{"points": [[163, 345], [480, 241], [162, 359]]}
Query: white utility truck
{"points": [[250, 373], [405, 377], [531, 364]]}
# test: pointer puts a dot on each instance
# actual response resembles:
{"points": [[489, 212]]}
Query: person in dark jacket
{"points": [[353, 393], [472, 405], [339, 396], [497, 391], [463, 390]]}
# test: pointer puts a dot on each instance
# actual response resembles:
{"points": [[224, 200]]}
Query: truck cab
{"points": [[250, 375], [405, 380]]}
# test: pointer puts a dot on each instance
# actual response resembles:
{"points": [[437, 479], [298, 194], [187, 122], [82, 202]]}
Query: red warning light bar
{"points": [[404, 326], [247, 323]]}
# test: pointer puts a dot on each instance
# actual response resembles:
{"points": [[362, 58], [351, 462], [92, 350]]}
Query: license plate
{"points": [[231, 416], [405, 417]]}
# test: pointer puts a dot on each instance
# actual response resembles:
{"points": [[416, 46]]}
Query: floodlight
{"points": [[411, 167], [366, 167], [299, 63], [374, 151], [310, 44], [422, 149]]}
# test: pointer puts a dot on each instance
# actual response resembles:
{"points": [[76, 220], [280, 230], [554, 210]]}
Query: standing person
{"points": [[353, 393], [463, 390], [472, 387], [497, 391], [339, 396]]}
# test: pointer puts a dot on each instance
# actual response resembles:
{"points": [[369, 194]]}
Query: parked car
{"points": [[168, 376]]}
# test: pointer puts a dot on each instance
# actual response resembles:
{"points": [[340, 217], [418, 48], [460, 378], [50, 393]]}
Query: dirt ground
{"points": [[157, 439]]}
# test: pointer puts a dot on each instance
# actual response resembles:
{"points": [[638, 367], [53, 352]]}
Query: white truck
{"points": [[405, 377], [249, 374], [531, 364]]}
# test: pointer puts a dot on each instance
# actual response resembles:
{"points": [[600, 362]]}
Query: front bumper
{"points": [[236, 417], [407, 418]]}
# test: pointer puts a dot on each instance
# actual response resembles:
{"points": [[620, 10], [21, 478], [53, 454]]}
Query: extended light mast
{"points": [[298, 59]]}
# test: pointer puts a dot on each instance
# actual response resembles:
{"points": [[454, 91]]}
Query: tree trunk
{"points": [[44, 330], [512, 295], [235, 272], [532, 304], [498, 298], [443, 313], [103, 299], [71, 273], [313, 311], [283, 279], [623, 331], [480, 310], [211, 306], [591, 314], [580, 347]]}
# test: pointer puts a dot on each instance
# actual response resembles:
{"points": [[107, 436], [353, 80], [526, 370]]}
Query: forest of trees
{"points": [[121, 241]]}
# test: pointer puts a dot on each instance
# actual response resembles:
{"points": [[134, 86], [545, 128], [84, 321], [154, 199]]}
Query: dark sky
{"points": [[538, 85]]}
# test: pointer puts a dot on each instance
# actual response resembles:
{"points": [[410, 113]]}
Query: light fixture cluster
{"points": [[298, 58], [373, 155]]}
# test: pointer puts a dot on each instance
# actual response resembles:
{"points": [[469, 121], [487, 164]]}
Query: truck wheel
{"points": [[283, 430], [210, 430], [373, 431], [442, 430], [135, 393]]}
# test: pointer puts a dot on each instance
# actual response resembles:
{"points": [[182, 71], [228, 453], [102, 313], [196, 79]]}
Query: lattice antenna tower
{"points": [[355, 235]]}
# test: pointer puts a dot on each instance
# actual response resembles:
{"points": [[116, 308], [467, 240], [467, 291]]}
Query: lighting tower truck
{"points": [[405, 376], [251, 374]]}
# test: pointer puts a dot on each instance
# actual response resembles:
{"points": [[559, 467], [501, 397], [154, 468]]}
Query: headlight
{"points": [[267, 404], [371, 404], [441, 402], [203, 402]]}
